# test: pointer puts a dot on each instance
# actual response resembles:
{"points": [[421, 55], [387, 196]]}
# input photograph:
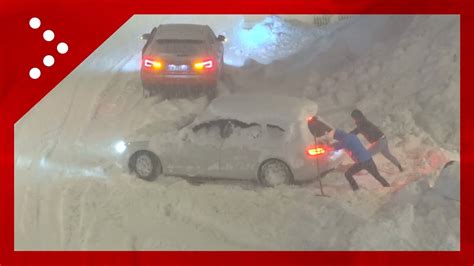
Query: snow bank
{"points": [[416, 218], [408, 75], [129, 214], [394, 68], [402, 71], [266, 41]]}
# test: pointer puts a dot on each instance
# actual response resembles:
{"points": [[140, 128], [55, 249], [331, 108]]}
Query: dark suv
{"points": [[181, 57]]}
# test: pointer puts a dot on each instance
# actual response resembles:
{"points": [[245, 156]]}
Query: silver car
{"points": [[254, 137]]}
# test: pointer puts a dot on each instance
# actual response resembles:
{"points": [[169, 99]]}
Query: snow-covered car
{"points": [[256, 137], [178, 57]]}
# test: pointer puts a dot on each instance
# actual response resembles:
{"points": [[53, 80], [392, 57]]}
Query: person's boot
{"points": [[352, 182], [382, 181]]}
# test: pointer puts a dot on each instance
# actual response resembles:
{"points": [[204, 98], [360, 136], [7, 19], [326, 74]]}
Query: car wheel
{"points": [[146, 165], [274, 172]]}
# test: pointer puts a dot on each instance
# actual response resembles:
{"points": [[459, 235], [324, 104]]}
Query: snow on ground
{"points": [[403, 71]]}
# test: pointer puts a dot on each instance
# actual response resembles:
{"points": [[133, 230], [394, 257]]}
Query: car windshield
{"points": [[181, 47]]}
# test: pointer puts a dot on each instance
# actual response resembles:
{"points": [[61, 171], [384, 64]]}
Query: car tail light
{"points": [[157, 65], [207, 64], [315, 151]]}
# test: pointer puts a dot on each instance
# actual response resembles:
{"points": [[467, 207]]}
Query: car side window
{"points": [[227, 129], [245, 131], [275, 131], [216, 128], [201, 128], [211, 129]]}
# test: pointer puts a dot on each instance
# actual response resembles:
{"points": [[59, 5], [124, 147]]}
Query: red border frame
{"points": [[87, 23]]}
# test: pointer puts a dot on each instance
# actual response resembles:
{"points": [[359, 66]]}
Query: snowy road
{"points": [[404, 71]]}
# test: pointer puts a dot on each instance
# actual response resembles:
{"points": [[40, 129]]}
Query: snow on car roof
{"points": [[181, 32], [262, 108]]}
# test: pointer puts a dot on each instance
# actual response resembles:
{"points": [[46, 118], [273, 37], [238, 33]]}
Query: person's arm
{"points": [[355, 131], [337, 145]]}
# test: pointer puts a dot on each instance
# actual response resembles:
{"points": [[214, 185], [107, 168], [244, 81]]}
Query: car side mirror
{"points": [[145, 36], [221, 38]]}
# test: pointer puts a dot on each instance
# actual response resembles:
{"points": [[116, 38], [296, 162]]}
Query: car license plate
{"points": [[180, 68]]}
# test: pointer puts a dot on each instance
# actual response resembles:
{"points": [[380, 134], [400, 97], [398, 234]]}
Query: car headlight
{"points": [[120, 147]]}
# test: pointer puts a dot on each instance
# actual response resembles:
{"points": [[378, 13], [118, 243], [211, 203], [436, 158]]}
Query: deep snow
{"points": [[403, 71]]}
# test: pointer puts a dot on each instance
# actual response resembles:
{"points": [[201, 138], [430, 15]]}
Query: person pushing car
{"points": [[359, 154], [376, 138], [353, 147]]}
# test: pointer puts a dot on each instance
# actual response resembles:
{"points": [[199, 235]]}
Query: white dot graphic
{"points": [[35, 73], [48, 60], [35, 23], [48, 35], [62, 48]]}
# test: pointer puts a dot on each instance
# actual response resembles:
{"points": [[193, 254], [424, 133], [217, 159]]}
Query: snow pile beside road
{"points": [[415, 76], [271, 39], [394, 68], [125, 213], [417, 217]]}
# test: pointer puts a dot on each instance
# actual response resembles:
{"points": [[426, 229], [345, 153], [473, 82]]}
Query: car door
{"points": [[241, 150], [198, 150]]}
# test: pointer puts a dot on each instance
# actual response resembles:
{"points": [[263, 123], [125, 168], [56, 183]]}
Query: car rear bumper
{"points": [[205, 79], [309, 169]]}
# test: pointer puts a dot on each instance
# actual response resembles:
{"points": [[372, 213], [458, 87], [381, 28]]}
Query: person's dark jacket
{"points": [[352, 145], [371, 132]]}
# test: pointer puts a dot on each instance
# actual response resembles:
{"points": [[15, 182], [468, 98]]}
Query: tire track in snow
{"points": [[117, 83], [70, 215]]}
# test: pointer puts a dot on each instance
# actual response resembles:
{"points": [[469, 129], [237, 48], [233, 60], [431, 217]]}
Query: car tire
{"points": [[274, 172], [146, 165]]}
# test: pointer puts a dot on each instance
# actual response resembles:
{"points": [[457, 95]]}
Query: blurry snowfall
{"points": [[403, 71]]}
